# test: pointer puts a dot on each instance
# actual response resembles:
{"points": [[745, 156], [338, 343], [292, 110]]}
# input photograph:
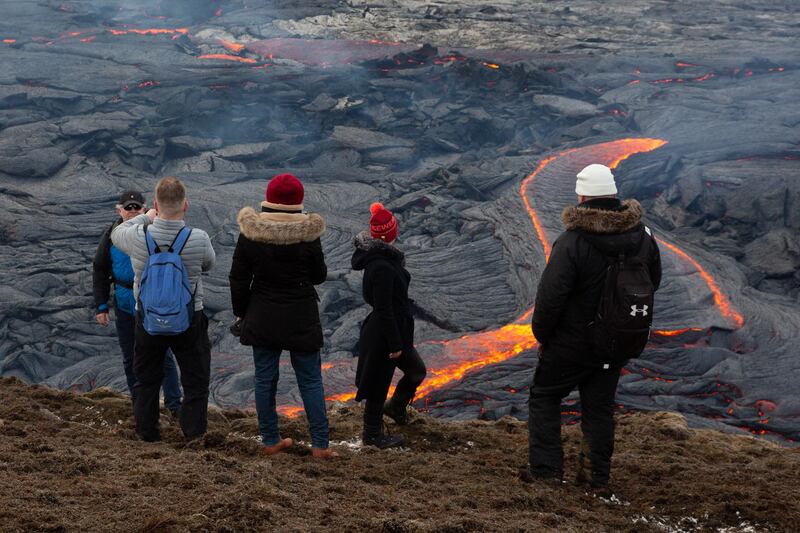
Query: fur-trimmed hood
{"points": [[280, 228], [368, 248], [603, 221]]}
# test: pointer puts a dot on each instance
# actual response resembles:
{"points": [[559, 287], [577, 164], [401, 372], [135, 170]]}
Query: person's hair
{"points": [[170, 195]]}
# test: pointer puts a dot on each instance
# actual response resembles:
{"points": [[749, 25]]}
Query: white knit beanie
{"points": [[595, 180]]}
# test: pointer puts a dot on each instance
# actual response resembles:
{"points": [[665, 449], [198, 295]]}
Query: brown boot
{"points": [[279, 447], [323, 453]]}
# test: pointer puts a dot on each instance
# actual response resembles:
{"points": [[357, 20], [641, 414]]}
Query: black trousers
{"points": [[192, 350], [552, 381], [414, 372]]}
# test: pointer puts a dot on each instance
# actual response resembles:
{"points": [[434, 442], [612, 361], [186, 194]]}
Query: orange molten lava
{"points": [[491, 65], [9, 41], [720, 300], [228, 57], [290, 411], [233, 47], [674, 332], [152, 31], [477, 350], [343, 397], [523, 191]]}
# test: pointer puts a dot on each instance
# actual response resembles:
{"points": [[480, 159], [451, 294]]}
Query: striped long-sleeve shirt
{"points": [[198, 255]]}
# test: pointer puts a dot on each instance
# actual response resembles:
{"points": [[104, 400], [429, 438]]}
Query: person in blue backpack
{"points": [[112, 266], [168, 258]]}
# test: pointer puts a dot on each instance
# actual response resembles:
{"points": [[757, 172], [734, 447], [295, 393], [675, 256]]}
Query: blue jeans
{"points": [[171, 385], [309, 379]]}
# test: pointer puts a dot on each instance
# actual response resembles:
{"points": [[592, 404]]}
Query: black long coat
{"points": [[277, 261], [390, 325], [571, 284]]}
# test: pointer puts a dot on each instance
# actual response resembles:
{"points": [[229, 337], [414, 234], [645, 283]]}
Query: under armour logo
{"points": [[635, 310]]}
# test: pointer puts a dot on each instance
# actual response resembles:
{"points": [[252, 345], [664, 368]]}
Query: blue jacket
{"points": [[111, 265]]}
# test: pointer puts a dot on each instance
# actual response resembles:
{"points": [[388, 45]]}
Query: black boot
{"points": [[397, 411], [373, 428]]}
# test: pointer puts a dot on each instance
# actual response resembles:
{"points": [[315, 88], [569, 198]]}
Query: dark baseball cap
{"points": [[131, 197]]}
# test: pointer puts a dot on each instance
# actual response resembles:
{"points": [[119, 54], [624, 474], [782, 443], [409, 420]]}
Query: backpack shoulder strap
{"points": [[644, 248], [180, 240], [152, 247]]}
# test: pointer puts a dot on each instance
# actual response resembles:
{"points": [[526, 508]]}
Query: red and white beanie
{"points": [[383, 224], [284, 193]]}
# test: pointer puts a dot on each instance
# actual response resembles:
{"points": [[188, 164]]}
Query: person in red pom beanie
{"points": [[387, 334], [382, 225], [277, 261]]}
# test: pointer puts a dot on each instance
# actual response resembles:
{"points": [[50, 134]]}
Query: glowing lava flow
{"points": [[233, 47], [151, 31], [228, 57], [477, 350], [720, 300]]}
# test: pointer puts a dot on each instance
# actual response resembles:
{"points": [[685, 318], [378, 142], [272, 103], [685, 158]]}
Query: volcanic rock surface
{"points": [[469, 121]]}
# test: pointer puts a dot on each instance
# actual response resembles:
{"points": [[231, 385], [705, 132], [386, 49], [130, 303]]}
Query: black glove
{"points": [[236, 328]]}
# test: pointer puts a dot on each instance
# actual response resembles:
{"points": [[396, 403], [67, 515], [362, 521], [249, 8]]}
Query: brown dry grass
{"points": [[70, 462]]}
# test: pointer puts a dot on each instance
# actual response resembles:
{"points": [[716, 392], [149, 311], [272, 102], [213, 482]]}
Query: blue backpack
{"points": [[165, 299]]}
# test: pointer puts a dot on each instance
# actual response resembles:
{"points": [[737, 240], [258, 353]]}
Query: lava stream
{"points": [[228, 57], [151, 31]]}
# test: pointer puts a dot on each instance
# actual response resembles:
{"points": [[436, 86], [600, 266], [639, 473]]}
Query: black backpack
{"points": [[621, 327]]}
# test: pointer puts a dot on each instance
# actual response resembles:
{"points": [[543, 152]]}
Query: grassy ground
{"points": [[70, 462]]}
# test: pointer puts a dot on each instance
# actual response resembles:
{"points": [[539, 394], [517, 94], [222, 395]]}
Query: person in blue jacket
{"points": [[112, 266]]}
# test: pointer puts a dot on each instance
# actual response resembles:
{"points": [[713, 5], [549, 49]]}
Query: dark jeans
{"points": [[553, 381], [192, 350], [126, 329], [307, 368]]}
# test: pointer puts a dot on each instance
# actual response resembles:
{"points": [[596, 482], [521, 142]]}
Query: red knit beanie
{"points": [[284, 193], [382, 225]]}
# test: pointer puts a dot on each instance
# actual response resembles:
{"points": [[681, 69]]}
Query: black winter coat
{"points": [[102, 269], [571, 284], [390, 325], [277, 261]]}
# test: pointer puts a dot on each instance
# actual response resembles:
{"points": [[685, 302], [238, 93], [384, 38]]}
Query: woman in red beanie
{"points": [[387, 334], [277, 261]]}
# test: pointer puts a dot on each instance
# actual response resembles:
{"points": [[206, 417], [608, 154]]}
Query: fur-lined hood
{"points": [[368, 248], [603, 221], [280, 228]]}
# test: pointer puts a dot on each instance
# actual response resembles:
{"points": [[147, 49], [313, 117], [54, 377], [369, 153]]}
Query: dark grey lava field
{"points": [[469, 120]]}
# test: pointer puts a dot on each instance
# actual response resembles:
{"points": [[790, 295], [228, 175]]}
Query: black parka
{"points": [[390, 326], [572, 282], [277, 261]]}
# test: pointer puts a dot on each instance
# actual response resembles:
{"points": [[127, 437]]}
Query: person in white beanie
{"points": [[577, 347]]}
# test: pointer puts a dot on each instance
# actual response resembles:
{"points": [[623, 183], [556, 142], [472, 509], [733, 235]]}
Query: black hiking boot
{"points": [[374, 434], [383, 441], [541, 475], [396, 411]]}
